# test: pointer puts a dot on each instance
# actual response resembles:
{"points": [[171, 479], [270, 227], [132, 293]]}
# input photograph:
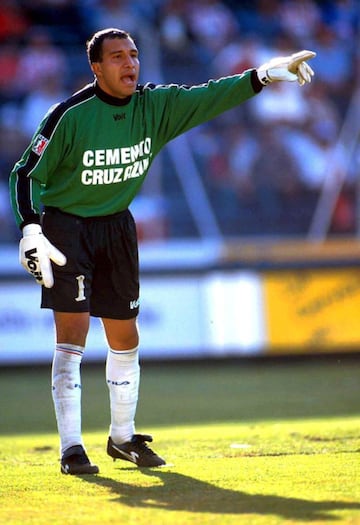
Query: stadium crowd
{"points": [[263, 165]]}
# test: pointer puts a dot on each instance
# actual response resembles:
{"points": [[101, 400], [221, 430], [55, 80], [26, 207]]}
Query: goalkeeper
{"points": [[70, 194]]}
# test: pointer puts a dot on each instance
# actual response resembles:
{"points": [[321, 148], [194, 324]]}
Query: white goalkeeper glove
{"points": [[291, 68], [35, 252]]}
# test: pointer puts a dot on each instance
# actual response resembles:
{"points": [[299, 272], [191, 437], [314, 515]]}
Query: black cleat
{"points": [[75, 461], [135, 451]]}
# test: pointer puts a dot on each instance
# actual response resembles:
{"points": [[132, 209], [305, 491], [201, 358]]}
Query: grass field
{"points": [[247, 443]]}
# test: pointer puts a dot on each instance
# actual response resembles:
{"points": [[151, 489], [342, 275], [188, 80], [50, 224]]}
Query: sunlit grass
{"points": [[257, 443]]}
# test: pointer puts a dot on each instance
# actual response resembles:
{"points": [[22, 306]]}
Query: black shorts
{"points": [[101, 275]]}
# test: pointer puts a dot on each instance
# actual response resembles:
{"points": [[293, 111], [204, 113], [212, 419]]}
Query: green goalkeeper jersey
{"points": [[91, 153]]}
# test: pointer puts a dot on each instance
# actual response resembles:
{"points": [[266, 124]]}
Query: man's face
{"points": [[118, 72]]}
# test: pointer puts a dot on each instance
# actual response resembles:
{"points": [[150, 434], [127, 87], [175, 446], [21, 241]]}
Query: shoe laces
{"points": [[78, 454], [140, 441], [82, 459], [78, 459]]}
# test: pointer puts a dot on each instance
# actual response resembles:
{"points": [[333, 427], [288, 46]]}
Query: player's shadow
{"points": [[173, 491]]}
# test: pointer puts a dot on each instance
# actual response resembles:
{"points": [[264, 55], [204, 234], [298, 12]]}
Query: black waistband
{"points": [[103, 218]]}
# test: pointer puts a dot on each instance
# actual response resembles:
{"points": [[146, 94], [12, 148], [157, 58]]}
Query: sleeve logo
{"points": [[39, 145]]}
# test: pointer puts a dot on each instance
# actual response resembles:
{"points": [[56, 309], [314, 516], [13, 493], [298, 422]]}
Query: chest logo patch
{"points": [[39, 145]]}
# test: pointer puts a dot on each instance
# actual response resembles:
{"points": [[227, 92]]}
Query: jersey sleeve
{"points": [[31, 172], [184, 107]]}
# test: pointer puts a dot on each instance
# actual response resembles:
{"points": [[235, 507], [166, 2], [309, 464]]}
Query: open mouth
{"points": [[128, 79]]}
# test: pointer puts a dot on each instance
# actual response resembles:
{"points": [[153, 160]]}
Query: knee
{"points": [[71, 328], [124, 341], [73, 336], [120, 334]]}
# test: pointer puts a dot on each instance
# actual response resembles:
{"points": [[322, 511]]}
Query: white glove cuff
{"points": [[263, 76], [31, 229]]}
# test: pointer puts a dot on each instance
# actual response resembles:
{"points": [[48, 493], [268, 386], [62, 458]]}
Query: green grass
{"points": [[261, 443]]}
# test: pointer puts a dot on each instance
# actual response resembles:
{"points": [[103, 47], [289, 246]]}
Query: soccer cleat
{"points": [[75, 461], [136, 451]]}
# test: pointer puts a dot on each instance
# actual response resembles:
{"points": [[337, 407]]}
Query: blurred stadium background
{"points": [[249, 225]]}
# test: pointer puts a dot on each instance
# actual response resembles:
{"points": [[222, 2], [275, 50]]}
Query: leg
{"points": [[123, 377], [71, 332], [71, 293]]}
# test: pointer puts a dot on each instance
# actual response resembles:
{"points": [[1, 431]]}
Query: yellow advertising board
{"points": [[311, 310]]}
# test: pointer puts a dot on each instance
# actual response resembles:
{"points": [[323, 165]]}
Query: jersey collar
{"points": [[109, 99]]}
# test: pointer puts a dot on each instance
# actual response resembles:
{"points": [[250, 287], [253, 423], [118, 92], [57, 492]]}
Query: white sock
{"points": [[66, 393], [123, 377]]}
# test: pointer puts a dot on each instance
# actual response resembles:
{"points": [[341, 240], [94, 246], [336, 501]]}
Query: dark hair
{"points": [[94, 45]]}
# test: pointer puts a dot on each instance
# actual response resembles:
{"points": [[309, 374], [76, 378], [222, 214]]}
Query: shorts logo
{"points": [[134, 304], [39, 145]]}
